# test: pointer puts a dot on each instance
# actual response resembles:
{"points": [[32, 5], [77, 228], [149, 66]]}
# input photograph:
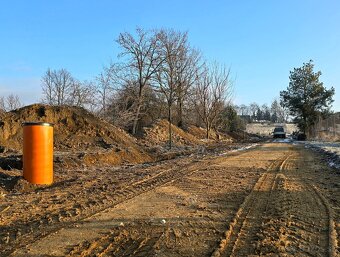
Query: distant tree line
{"points": [[256, 113]]}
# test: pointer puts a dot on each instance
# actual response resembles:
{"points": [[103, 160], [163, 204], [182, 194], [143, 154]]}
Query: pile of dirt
{"points": [[158, 134], [201, 133], [242, 136], [75, 130]]}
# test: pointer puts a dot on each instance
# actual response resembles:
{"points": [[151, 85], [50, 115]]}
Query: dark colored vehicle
{"points": [[279, 132]]}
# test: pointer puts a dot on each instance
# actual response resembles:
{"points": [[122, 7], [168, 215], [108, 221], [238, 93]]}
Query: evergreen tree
{"points": [[306, 97]]}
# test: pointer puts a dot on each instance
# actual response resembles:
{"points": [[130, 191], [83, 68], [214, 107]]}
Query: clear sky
{"points": [[261, 40]]}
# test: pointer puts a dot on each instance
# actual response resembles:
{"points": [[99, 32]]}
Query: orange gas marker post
{"points": [[38, 152]]}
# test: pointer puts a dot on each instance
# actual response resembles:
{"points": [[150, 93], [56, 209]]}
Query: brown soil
{"points": [[81, 139], [158, 134], [79, 136], [213, 135], [242, 136], [273, 200], [184, 142]]}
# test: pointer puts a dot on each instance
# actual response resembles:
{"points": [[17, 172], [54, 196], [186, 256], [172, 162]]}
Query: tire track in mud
{"points": [[281, 215], [332, 236], [121, 242], [162, 178], [79, 197], [166, 176], [150, 239], [301, 221], [245, 222]]}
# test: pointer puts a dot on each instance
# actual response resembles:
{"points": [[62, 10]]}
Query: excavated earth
{"points": [[274, 199], [80, 138]]}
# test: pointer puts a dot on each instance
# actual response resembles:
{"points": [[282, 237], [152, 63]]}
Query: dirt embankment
{"points": [[82, 139], [158, 134], [201, 133], [77, 132]]}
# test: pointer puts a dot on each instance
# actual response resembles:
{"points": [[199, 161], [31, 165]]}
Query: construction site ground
{"points": [[274, 199]]}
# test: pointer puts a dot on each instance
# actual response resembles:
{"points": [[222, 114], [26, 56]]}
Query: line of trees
{"points": [[158, 74], [255, 112]]}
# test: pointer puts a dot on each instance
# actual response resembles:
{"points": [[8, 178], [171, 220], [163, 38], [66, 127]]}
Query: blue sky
{"points": [[261, 40]]}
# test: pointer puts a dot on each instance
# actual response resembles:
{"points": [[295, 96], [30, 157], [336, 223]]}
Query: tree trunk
{"points": [[135, 121], [180, 113], [170, 129], [207, 131], [139, 106]]}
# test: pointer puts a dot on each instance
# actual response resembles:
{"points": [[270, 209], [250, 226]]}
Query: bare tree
{"points": [[212, 92], [243, 109], [121, 106], [105, 85], [173, 44], [9, 103], [82, 94], [56, 86], [104, 89], [13, 102], [2, 104], [188, 69], [253, 107], [143, 62], [63, 84], [265, 111], [47, 87]]}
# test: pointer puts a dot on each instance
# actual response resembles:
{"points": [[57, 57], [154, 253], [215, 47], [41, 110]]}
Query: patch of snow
{"points": [[243, 148], [331, 149], [283, 140]]}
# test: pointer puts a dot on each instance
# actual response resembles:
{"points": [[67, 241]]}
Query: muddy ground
{"points": [[275, 199]]}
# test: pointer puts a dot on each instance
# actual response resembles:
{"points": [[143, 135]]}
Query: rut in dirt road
{"points": [[270, 196], [283, 215], [161, 177], [193, 195]]}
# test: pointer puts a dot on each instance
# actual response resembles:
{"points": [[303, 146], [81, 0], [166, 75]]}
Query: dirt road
{"points": [[276, 199]]}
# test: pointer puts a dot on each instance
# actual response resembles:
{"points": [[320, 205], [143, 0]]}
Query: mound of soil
{"points": [[242, 136], [201, 133], [75, 130], [158, 135]]}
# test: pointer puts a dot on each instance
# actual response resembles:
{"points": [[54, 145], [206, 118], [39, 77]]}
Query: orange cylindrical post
{"points": [[38, 152]]}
